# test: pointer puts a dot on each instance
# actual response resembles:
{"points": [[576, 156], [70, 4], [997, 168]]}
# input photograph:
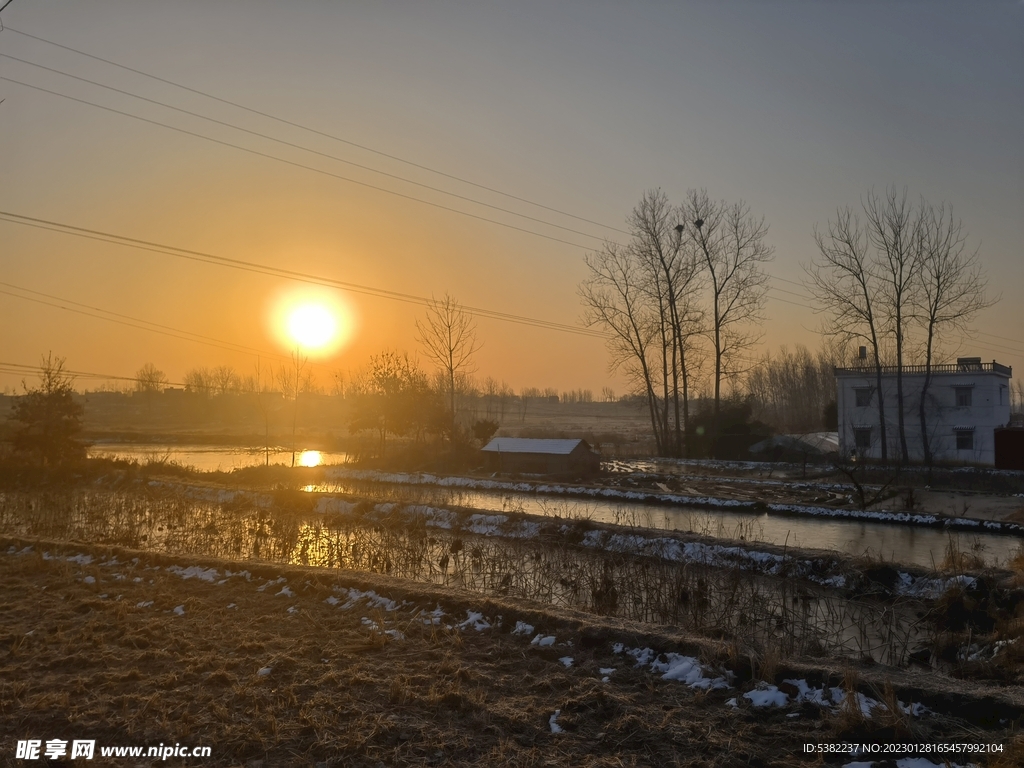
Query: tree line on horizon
{"points": [[683, 302]]}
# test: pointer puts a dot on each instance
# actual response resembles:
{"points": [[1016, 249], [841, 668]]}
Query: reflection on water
{"points": [[211, 458], [763, 611], [904, 544], [310, 459], [791, 615]]}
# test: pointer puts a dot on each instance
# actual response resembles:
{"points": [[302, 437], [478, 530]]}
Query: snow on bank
{"points": [[827, 573], [648, 497]]}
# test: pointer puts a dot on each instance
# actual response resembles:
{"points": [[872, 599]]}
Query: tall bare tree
{"points": [[615, 298], [448, 336], [646, 294], [894, 228], [846, 292], [673, 275], [730, 244], [951, 290]]}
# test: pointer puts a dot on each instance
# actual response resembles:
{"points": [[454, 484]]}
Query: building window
{"points": [[862, 440], [862, 396], [963, 397], [965, 440]]}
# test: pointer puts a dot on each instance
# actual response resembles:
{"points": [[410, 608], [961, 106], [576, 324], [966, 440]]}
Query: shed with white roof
{"points": [[538, 456]]}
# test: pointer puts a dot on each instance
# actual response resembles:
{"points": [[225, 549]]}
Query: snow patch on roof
{"points": [[531, 445]]}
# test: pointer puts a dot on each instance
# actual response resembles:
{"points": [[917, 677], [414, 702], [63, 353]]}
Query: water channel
{"points": [[903, 544]]}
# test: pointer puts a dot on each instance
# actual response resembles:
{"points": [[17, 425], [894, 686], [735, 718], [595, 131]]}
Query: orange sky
{"points": [[577, 108]]}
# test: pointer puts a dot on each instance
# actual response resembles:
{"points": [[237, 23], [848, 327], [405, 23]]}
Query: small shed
{"points": [[541, 456]]}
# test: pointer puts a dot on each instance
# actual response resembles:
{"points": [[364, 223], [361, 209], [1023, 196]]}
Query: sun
{"points": [[312, 326], [316, 322]]}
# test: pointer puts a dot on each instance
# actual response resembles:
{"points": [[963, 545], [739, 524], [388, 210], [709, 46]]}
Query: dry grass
{"points": [[82, 660]]}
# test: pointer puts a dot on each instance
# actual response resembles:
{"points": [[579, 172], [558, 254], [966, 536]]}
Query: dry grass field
{"points": [[273, 665]]}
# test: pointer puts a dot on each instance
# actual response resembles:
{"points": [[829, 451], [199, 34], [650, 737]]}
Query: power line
{"points": [[132, 322], [1004, 338], [293, 124], [304, 149], [989, 345], [21, 369], [296, 164], [248, 266]]}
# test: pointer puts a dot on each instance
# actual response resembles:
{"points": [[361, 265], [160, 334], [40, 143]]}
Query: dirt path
{"points": [[281, 666]]}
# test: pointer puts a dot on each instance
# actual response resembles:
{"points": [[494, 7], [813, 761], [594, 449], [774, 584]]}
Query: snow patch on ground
{"points": [[475, 620], [194, 572], [766, 696], [522, 628], [673, 666], [355, 596], [553, 722]]}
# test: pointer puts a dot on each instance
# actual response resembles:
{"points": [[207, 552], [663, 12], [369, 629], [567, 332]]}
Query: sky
{"points": [[795, 107]]}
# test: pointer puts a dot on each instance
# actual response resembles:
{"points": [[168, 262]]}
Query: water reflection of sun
{"points": [[310, 459]]}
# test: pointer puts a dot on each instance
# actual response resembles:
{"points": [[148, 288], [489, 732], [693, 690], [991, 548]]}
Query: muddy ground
{"points": [[268, 668]]}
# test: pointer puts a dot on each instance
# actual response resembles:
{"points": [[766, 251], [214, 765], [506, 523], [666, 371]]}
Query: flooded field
{"points": [[903, 544], [763, 612], [212, 458]]}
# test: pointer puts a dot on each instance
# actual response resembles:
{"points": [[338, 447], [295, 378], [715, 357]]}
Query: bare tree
{"points": [[951, 289], [264, 407], [792, 390], [392, 396], [199, 380], [846, 291], [614, 298], [224, 380], [448, 336], [294, 380], [646, 294], [731, 245], [149, 379], [673, 280], [894, 229]]}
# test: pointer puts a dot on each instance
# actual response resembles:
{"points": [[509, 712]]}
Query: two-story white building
{"points": [[964, 405]]}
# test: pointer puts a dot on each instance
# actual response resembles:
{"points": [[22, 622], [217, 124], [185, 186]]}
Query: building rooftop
{"points": [[962, 365], [532, 445]]}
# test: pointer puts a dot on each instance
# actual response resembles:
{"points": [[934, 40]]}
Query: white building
{"points": [[964, 405]]}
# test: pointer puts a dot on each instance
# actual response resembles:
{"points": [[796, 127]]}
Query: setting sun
{"points": [[318, 322], [312, 325]]}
